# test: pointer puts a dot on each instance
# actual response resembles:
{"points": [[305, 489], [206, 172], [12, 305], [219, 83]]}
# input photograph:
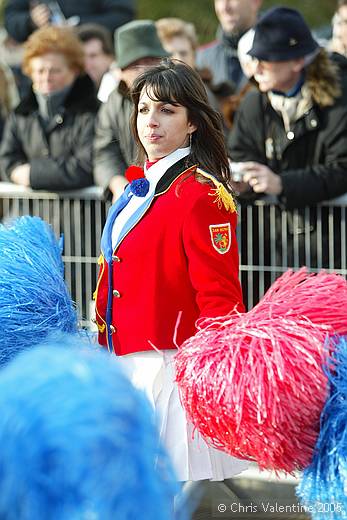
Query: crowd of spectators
{"points": [[281, 95], [66, 70]]}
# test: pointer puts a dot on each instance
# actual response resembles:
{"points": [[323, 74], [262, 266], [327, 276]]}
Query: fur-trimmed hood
{"points": [[323, 79], [81, 98]]}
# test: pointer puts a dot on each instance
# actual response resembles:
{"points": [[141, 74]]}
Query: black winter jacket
{"points": [[311, 159], [109, 13], [60, 154]]}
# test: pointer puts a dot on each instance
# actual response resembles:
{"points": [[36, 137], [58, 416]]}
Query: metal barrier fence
{"points": [[270, 239], [77, 215]]}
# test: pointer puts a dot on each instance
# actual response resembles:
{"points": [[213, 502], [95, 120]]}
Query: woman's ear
{"points": [[191, 128]]}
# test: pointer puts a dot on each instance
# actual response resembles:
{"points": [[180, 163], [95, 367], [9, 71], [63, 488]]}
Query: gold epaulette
{"points": [[221, 194]]}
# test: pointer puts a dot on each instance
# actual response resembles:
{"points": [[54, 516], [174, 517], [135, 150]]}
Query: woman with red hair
{"points": [[47, 139]]}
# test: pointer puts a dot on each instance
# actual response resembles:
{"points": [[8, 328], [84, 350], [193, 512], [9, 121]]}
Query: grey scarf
{"points": [[51, 104]]}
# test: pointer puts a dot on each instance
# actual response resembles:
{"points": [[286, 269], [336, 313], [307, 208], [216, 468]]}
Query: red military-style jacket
{"points": [[177, 264]]}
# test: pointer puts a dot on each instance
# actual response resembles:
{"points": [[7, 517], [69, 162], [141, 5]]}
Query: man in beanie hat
{"points": [[291, 134], [137, 47]]}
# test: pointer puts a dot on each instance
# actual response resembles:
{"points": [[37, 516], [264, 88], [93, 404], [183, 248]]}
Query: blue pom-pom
{"points": [[78, 441], [34, 299], [323, 488], [140, 187]]}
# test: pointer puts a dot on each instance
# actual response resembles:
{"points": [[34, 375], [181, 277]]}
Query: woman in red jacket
{"points": [[169, 252]]}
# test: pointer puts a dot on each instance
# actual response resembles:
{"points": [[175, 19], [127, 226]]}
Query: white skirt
{"points": [[192, 458]]}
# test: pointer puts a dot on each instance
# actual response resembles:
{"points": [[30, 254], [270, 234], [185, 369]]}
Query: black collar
{"points": [[81, 98], [177, 169]]}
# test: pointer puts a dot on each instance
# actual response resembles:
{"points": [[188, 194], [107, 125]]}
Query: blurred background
{"points": [[201, 12]]}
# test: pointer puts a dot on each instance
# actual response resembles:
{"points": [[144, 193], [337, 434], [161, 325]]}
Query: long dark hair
{"points": [[173, 81]]}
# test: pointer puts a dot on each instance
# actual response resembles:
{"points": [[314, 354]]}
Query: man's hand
{"points": [[261, 178], [21, 175], [40, 15], [116, 186]]}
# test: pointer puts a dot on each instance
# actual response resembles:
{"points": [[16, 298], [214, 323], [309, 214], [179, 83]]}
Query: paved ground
{"points": [[253, 495]]}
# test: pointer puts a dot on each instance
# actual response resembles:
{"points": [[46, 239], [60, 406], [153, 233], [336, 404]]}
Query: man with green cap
{"points": [[137, 47]]}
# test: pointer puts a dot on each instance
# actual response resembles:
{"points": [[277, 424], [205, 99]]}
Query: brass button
{"points": [[58, 119], [313, 123], [116, 293], [115, 258], [113, 329]]}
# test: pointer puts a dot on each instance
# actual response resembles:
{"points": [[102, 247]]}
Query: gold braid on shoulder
{"points": [[221, 194]]}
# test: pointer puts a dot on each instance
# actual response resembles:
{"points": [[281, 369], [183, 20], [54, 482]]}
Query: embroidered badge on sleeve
{"points": [[221, 237]]}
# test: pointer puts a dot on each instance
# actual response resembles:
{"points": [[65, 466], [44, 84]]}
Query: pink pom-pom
{"points": [[321, 297], [253, 384]]}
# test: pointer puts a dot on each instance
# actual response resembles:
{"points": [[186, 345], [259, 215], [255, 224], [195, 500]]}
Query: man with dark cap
{"points": [[137, 47], [291, 134]]}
